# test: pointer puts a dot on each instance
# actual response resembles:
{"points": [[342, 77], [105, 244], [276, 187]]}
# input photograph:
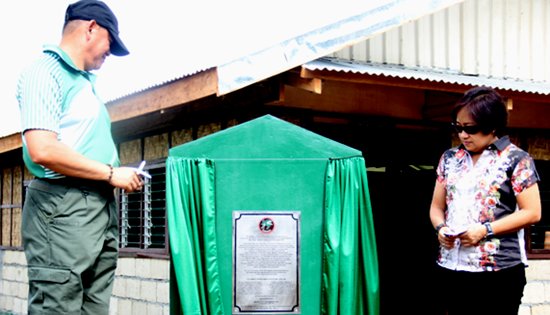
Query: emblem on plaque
{"points": [[266, 225]]}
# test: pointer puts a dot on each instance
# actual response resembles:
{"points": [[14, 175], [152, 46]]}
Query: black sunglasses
{"points": [[471, 130]]}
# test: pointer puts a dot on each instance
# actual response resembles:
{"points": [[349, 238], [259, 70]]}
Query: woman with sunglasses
{"points": [[485, 194]]}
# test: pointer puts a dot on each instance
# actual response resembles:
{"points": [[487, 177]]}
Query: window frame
{"points": [[533, 232], [144, 251]]}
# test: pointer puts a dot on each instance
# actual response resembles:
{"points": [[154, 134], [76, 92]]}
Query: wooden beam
{"points": [[172, 94], [357, 98], [435, 112], [314, 85], [11, 142], [202, 109], [439, 105]]}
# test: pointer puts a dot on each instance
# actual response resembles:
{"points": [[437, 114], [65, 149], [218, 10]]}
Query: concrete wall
{"points": [[141, 285], [536, 296]]}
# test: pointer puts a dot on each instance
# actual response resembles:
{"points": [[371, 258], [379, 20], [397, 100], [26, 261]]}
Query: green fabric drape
{"points": [[350, 263], [190, 198], [350, 283]]}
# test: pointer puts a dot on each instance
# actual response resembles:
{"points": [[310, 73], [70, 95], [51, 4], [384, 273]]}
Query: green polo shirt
{"points": [[54, 95]]}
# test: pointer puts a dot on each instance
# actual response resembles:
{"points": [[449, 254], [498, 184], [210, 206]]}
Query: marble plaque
{"points": [[266, 262]]}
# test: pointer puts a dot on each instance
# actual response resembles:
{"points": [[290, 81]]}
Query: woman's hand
{"points": [[473, 235], [445, 237]]}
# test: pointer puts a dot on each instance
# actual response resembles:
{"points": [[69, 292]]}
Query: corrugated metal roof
{"points": [[492, 38], [428, 74]]}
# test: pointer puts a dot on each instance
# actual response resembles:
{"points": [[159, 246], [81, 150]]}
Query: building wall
{"points": [[536, 296], [11, 183], [141, 285]]}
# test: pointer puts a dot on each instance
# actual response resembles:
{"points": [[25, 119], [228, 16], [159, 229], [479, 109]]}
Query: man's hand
{"points": [[126, 178]]}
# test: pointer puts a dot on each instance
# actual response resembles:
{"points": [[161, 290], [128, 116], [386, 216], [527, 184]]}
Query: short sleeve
{"points": [[524, 174], [40, 98]]}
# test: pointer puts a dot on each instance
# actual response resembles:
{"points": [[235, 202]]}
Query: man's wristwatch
{"points": [[490, 232]]}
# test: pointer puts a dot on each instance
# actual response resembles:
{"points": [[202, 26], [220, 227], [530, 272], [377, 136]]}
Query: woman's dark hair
{"points": [[486, 107]]}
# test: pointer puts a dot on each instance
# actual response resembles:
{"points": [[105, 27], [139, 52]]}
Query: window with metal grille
{"points": [[143, 216]]}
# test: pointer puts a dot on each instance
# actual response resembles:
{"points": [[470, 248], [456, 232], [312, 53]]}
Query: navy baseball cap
{"points": [[97, 10]]}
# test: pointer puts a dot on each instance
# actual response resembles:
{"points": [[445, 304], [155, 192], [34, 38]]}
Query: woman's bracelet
{"points": [[438, 227]]}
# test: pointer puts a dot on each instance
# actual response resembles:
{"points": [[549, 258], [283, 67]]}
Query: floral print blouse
{"points": [[481, 193]]}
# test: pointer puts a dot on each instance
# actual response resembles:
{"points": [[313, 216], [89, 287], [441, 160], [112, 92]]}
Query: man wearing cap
{"points": [[70, 219]]}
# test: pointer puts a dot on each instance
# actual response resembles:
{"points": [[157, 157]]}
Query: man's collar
{"points": [[67, 59]]}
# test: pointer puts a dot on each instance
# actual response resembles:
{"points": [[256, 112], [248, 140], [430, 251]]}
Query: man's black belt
{"points": [[81, 183]]}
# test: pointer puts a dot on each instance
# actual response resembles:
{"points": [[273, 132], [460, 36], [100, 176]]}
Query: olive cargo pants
{"points": [[70, 238]]}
